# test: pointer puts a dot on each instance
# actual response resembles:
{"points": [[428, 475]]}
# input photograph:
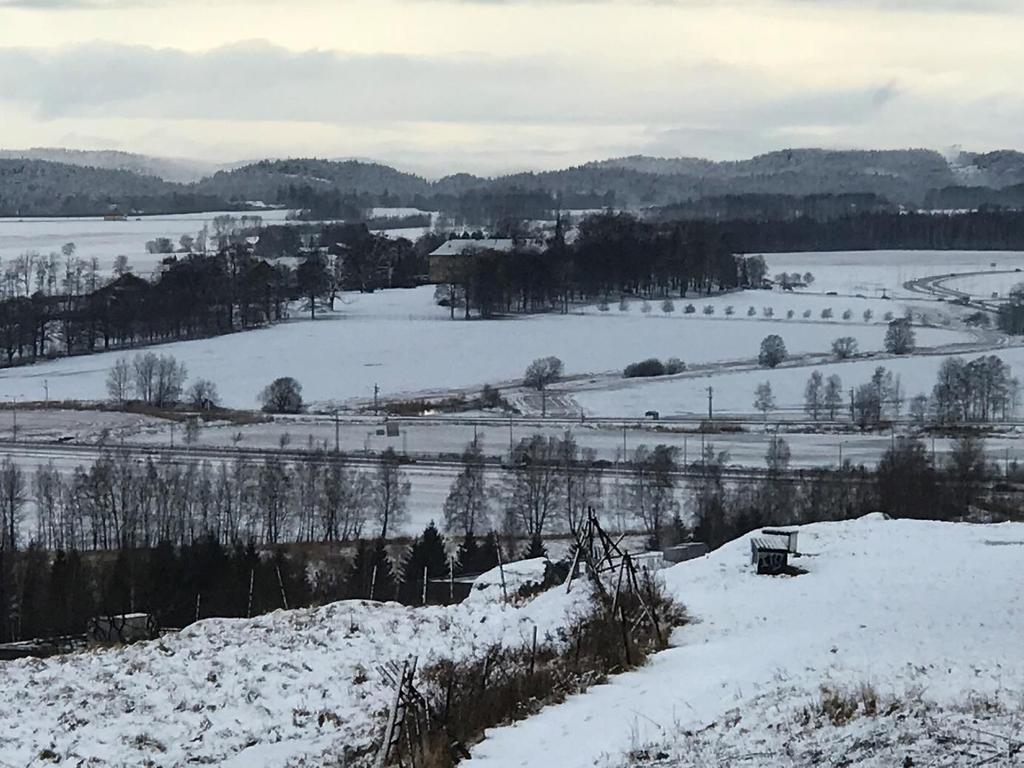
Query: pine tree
{"points": [[467, 555], [427, 553], [535, 549]]}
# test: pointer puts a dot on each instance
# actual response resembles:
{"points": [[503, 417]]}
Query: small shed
{"points": [[769, 554], [680, 553]]}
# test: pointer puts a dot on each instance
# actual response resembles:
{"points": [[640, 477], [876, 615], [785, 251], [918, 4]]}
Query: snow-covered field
{"points": [[105, 240], [923, 610], [290, 688], [869, 272], [928, 614], [401, 341], [734, 391]]}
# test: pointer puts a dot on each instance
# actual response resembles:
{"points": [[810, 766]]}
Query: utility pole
{"points": [[46, 392], [852, 417], [510, 443], [711, 394], [376, 401], [543, 403], [14, 413], [623, 442], [337, 432]]}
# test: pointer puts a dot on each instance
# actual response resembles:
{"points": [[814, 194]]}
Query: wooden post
{"points": [[373, 580], [248, 608], [625, 635], [199, 598], [280, 583], [451, 579], [533, 652], [501, 570], [424, 585]]}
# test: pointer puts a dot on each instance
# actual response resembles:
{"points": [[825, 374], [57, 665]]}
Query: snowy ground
{"points": [[871, 272], [925, 613], [401, 341], [287, 689], [105, 240], [916, 609]]}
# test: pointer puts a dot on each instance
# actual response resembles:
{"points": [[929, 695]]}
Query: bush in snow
{"points": [[847, 314], [887, 317], [730, 310], [773, 351], [623, 304], [645, 307], [868, 314], [602, 305], [768, 311], [650, 367], [283, 395], [807, 313], [826, 313], [542, 371], [899, 338], [202, 395], [708, 309], [844, 347], [789, 314], [689, 309], [668, 306], [674, 365], [751, 312]]}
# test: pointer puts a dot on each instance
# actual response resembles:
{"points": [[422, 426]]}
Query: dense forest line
{"points": [[30, 186]]}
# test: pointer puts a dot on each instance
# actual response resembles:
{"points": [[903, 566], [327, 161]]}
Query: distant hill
{"points": [[55, 182], [168, 169], [42, 188]]}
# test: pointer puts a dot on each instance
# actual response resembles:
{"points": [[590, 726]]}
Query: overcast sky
{"points": [[494, 85]]}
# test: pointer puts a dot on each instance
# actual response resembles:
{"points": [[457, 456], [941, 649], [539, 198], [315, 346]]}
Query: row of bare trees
{"points": [[123, 501]]}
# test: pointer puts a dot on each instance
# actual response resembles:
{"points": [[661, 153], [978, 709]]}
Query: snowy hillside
{"points": [[290, 688], [921, 611]]}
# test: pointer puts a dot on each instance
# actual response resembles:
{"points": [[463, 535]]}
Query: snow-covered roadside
{"points": [[912, 608], [291, 688]]}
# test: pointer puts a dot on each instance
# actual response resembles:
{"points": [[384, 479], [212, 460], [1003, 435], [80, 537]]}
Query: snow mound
{"points": [[523, 573], [913, 608], [292, 687]]}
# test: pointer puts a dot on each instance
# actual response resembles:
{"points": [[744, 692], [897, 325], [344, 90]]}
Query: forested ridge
{"points": [[908, 178]]}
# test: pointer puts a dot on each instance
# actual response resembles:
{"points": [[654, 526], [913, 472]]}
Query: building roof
{"points": [[462, 246]]}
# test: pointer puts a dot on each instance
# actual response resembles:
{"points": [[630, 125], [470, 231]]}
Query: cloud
{"points": [[256, 81]]}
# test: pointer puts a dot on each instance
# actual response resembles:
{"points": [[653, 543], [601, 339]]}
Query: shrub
{"points": [[751, 312], [623, 304], [283, 395], [773, 351], [899, 338], [689, 309], [807, 313], [668, 306], [542, 371], [674, 365], [826, 313], [789, 314], [708, 309], [650, 367], [602, 305], [887, 317], [645, 307], [768, 311], [868, 314], [847, 314], [730, 310], [844, 347], [202, 395]]}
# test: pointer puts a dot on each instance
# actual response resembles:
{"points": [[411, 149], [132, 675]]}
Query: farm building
{"points": [[446, 258]]}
